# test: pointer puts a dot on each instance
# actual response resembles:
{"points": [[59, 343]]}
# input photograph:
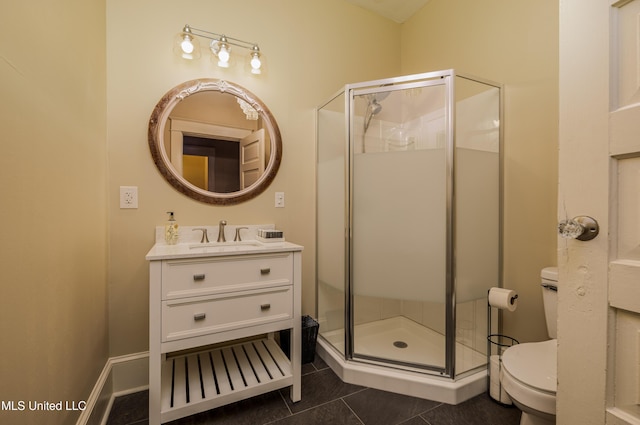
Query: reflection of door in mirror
{"points": [[216, 158], [251, 158], [211, 164], [223, 166], [214, 143]]}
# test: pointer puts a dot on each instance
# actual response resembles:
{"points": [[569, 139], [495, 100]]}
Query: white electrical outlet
{"points": [[279, 199], [128, 196]]}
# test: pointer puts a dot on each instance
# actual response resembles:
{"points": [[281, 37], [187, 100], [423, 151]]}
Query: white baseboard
{"points": [[121, 375]]}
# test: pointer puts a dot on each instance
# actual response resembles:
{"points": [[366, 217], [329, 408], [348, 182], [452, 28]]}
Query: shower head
{"points": [[376, 98], [379, 96], [375, 107]]}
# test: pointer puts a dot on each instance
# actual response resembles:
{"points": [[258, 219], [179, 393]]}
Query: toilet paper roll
{"points": [[496, 391], [503, 298], [494, 369], [494, 377]]}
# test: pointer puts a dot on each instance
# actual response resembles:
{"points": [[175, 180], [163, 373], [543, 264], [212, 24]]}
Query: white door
{"points": [[251, 158], [599, 294]]}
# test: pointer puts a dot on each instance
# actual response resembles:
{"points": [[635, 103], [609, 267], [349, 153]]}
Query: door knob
{"points": [[582, 227]]}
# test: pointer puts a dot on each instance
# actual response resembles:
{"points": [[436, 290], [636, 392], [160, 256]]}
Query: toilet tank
{"points": [[549, 284]]}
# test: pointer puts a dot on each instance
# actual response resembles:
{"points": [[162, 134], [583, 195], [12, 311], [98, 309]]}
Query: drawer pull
{"points": [[199, 316], [198, 277], [265, 270], [264, 307]]}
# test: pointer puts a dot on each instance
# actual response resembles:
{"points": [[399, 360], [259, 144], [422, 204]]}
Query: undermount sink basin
{"points": [[227, 246]]}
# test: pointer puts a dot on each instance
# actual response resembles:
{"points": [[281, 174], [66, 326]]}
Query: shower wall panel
{"points": [[330, 216]]}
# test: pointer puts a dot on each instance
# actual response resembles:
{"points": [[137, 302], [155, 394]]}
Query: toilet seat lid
{"points": [[534, 364]]}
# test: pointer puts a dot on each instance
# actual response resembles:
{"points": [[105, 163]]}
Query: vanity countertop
{"points": [[161, 251], [190, 247]]}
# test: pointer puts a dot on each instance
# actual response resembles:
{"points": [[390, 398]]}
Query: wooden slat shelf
{"points": [[212, 378]]}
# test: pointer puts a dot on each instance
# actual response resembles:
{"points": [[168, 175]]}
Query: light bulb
{"points": [[255, 63], [223, 54], [187, 44]]}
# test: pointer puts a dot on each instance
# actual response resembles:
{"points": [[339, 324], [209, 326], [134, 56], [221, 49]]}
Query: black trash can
{"points": [[309, 337]]}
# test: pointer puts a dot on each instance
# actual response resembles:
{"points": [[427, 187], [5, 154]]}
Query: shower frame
{"points": [[391, 84]]}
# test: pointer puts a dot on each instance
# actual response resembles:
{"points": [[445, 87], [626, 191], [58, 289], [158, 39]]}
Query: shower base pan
{"points": [[386, 338]]}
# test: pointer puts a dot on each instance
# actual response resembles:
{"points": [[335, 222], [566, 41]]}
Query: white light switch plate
{"points": [[279, 199]]}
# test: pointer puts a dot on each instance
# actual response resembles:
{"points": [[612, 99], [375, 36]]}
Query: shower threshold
{"points": [[386, 338]]}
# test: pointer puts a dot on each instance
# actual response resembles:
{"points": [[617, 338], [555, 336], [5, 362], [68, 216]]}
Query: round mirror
{"points": [[215, 141]]}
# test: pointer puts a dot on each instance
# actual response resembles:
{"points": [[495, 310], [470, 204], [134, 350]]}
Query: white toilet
{"points": [[529, 370]]}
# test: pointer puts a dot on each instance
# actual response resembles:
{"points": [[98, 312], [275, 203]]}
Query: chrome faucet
{"points": [[221, 237]]}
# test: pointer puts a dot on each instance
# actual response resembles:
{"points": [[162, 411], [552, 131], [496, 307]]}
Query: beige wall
{"points": [[53, 255], [311, 50], [514, 43]]}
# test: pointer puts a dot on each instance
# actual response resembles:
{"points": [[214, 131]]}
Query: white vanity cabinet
{"points": [[212, 315]]}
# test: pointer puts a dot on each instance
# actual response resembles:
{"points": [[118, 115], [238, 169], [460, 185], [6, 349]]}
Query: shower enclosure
{"points": [[409, 223]]}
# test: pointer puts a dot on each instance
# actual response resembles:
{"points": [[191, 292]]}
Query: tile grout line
{"points": [[351, 410], [285, 403], [324, 404], [427, 411]]}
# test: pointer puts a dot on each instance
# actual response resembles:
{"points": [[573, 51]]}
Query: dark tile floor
{"points": [[326, 400]]}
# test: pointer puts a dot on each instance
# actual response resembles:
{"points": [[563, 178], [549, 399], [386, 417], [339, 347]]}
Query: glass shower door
{"points": [[331, 252], [478, 200], [400, 223]]}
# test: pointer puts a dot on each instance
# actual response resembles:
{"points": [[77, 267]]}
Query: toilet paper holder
{"points": [[500, 342]]}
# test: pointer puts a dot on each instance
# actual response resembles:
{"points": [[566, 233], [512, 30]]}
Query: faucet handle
{"points": [[238, 238], [205, 237]]}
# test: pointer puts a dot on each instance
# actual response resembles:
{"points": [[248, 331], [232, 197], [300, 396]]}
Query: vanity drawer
{"points": [[189, 317], [195, 277]]}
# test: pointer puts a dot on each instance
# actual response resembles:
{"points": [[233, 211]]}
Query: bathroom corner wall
{"points": [[311, 50], [516, 44], [53, 254]]}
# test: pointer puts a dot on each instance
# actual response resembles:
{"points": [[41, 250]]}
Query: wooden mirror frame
{"points": [[159, 119]]}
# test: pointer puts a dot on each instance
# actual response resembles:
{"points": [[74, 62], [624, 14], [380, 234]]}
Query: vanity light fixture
{"points": [[187, 47], [256, 63]]}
